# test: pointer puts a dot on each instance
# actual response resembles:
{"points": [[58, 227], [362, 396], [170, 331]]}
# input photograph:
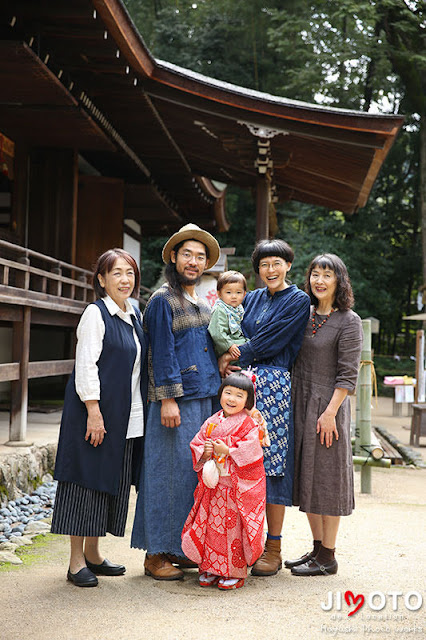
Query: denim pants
{"points": [[168, 480]]}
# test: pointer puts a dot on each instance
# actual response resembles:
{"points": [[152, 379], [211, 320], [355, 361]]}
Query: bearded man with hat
{"points": [[183, 383]]}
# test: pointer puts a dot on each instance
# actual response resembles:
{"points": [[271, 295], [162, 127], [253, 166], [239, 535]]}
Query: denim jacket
{"points": [[181, 357]]}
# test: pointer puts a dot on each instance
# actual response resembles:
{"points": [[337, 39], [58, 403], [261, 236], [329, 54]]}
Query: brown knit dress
{"points": [[329, 359]]}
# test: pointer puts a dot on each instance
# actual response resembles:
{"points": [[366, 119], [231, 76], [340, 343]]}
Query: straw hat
{"points": [[193, 232]]}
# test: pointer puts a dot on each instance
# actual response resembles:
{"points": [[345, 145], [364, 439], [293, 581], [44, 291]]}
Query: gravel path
{"points": [[382, 549]]}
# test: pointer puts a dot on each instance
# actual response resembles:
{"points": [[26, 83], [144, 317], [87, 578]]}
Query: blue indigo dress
{"points": [[275, 325]]}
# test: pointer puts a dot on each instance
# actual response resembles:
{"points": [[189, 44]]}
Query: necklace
{"points": [[316, 327]]}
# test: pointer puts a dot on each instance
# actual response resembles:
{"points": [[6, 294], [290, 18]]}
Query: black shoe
{"points": [[83, 578], [314, 568], [289, 564], [107, 568]]}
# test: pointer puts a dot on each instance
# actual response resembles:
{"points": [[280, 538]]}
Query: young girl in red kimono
{"points": [[223, 533]]}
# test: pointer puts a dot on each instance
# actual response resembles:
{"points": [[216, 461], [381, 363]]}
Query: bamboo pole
{"points": [[370, 462], [364, 415], [356, 446]]}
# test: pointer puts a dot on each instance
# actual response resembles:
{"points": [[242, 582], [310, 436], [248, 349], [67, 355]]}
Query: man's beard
{"points": [[184, 281]]}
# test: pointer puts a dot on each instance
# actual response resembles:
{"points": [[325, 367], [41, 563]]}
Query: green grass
{"points": [[31, 553]]}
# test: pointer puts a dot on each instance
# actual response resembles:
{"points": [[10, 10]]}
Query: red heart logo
{"points": [[359, 598]]}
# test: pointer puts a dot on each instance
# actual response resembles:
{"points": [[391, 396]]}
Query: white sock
{"points": [[228, 582]]}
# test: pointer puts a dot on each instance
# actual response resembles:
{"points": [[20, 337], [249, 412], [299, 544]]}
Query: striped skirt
{"points": [[79, 511]]}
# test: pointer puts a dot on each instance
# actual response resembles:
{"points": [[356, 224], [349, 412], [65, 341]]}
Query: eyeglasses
{"points": [[275, 265], [188, 255]]}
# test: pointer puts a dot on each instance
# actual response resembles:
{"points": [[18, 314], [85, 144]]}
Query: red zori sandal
{"points": [[230, 583], [207, 579]]}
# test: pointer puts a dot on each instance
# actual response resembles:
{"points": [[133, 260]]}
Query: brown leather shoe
{"points": [[270, 561], [159, 567], [182, 561]]}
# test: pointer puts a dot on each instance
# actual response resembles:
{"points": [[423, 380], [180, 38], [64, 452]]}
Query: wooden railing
{"points": [[33, 279], [36, 288]]}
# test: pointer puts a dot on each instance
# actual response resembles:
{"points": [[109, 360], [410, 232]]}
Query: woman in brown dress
{"points": [[324, 373]]}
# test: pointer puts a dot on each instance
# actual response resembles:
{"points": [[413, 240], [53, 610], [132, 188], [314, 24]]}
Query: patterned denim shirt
{"points": [[274, 326], [181, 358]]}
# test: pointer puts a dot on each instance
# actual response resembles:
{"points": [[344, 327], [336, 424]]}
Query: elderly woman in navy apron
{"points": [[274, 322], [102, 423]]}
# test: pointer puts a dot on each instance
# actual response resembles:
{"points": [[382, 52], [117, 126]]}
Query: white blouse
{"points": [[90, 335]]}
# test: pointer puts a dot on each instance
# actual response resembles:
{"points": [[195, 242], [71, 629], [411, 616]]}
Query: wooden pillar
{"points": [[74, 209], [20, 195], [420, 367], [262, 213], [19, 388], [262, 207]]}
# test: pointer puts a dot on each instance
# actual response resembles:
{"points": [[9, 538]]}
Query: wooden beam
{"points": [[10, 295], [46, 368], [9, 371], [131, 232], [54, 318], [10, 313]]}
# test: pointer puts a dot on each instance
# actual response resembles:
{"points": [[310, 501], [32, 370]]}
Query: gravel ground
{"points": [[381, 549]]}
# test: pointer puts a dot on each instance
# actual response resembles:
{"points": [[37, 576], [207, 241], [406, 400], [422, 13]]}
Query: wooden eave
{"points": [[330, 159], [344, 139], [76, 48], [36, 107], [179, 125]]}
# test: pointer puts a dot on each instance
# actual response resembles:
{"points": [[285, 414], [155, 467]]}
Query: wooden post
{"points": [[420, 367], [19, 388], [364, 391], [20, 194], [262, 213], [74, 206], [262, 207]]}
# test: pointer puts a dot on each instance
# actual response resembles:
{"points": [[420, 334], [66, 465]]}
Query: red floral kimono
{"points": [[224, 529]]}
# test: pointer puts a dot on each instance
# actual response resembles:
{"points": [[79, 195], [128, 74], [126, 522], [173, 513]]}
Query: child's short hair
{"points": [[240, 381], [229, 277]]}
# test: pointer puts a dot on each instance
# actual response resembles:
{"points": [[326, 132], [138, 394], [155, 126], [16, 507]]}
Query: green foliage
{"points": [[152, 263]]}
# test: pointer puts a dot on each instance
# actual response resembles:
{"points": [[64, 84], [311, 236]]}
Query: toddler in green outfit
{"points": [[228, 313]]}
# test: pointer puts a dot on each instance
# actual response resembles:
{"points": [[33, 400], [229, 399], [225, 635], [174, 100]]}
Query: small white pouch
{"points": [[210, 474]]}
